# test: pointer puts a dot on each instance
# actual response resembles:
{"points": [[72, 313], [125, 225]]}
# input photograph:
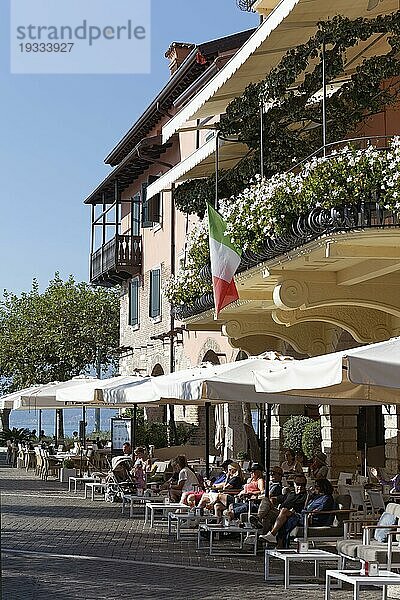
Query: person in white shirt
{"points": [[187, 479]]}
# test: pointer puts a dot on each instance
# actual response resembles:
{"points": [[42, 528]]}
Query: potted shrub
{"points": [[293, 432], [311, 439], [242, 456], [67, 470]]}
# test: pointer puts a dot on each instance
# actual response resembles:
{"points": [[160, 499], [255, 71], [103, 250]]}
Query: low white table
{"points": [[76, 480], [92, 486], [312, 555], [161, 507], [382, 580], [216, 530], [179, 519], [136, 500]]}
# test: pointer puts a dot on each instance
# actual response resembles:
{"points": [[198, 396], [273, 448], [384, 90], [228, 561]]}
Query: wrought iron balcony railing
{"points": [[306, 228], [117, 260]]}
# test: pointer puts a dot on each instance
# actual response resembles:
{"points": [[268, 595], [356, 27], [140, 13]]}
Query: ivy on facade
{"points": [[292, 128]]}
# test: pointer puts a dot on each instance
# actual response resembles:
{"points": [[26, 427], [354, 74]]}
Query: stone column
{"points": [[391, 416], [339, 438]]}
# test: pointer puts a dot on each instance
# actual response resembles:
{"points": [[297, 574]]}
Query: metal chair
{"points": [[377, 502]]}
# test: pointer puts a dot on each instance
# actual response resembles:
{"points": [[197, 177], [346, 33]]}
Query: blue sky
{"points": [[56, 131]]}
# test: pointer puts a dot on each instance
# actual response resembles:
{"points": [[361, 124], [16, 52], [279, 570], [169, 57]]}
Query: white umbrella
{"points": [[376, 364], [230, 382], [7, 401], [327, 380], [44, 396], [118, 391]]}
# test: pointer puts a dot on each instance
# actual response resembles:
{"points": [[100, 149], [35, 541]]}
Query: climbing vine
{"points": [[292, 128]]}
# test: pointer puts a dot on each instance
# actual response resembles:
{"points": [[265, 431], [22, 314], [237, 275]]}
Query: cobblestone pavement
{"points": [[56, 544]]}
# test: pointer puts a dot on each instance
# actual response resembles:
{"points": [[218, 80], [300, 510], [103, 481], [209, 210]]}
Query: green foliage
{"points": [[285, 134], [293, 432], [55, 335], [17, 434], [68, 463], [311, 438], [158, 433], [242, 455], [193, 195], [102, 435]]}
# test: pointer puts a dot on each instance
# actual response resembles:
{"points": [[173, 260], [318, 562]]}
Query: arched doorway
{"points": [[211, 357], [157, 370]]}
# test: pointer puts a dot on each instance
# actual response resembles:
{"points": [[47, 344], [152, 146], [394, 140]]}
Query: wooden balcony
{"points": [[116, 261]]}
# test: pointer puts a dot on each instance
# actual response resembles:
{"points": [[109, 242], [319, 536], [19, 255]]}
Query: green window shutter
{"points": [[151, 208], [134, 302], [154, 208], [155, 293], [145, 207], [135, 226]]}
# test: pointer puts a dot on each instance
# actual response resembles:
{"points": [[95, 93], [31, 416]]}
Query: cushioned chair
{"points": [[330, 532], [369, 549]]}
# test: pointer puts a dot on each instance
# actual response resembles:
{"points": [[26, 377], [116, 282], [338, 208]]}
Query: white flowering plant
{"points": [[187, 284], [267, 208]]}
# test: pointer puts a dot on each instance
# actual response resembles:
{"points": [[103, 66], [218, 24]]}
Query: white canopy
{"points": [[7, 401], [367, 374], [119, 390], [374, 374], [318, 380], [231, 382], [377, 364], [44, 396]]}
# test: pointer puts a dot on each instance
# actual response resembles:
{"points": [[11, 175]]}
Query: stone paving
{"points": [[56, 544]]}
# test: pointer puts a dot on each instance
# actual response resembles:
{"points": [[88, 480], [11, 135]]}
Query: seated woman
{"points": [[214, 485], [140, 467], [252, 491], [318, 468], [187, 479], [290, 465], [321, 499], [218, 499]]}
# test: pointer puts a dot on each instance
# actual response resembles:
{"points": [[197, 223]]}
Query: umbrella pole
{"points": [[207, 440], [133, 426], [39, 424], [55, 428], [267, 447], [261, 430]]}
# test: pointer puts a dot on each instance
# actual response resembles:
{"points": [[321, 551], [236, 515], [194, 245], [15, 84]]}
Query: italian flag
{"points": [[225, 259]]}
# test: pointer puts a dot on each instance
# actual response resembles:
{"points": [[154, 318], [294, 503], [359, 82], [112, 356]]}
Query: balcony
{"points": [[263, 7], [116, 261]]}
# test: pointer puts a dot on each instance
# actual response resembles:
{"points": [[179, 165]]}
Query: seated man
{"points": [[321, 499], [293, 500], [275, 485], [187, 479]]}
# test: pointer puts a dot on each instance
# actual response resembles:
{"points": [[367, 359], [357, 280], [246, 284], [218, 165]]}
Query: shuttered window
{"points": [[134, 302], [135, 226], [151, 209], [155, 293]]}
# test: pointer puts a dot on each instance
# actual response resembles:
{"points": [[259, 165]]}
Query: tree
{"points": [[56, 334]]}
